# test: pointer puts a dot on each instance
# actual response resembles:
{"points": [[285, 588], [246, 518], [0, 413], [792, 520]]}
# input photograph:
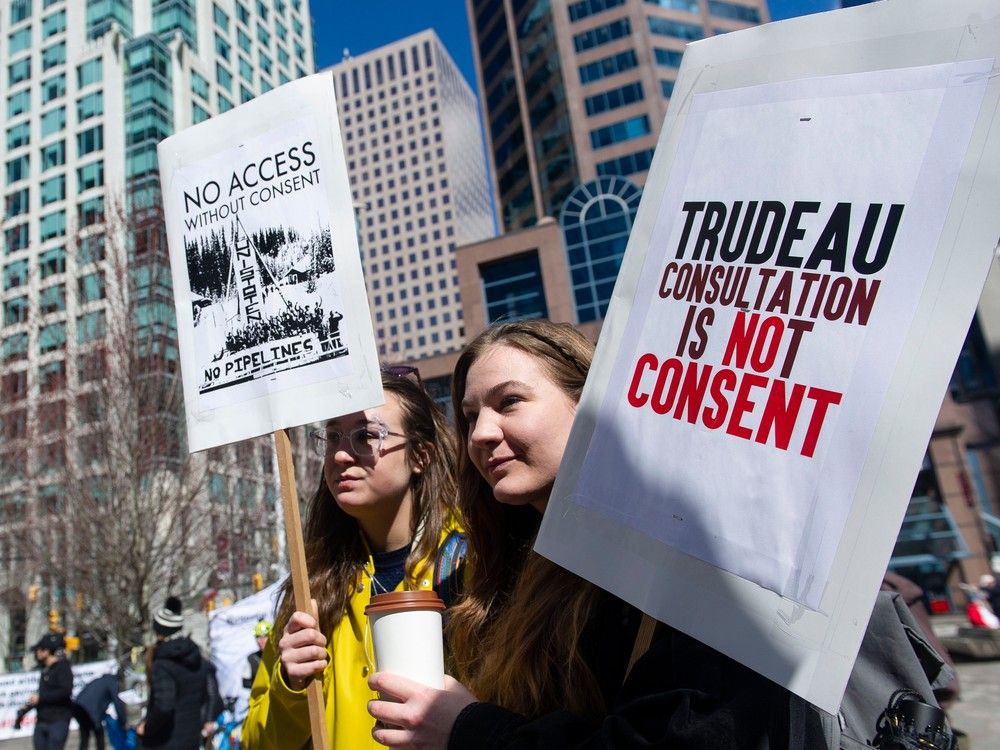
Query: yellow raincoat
{"points": [[278, 718]]}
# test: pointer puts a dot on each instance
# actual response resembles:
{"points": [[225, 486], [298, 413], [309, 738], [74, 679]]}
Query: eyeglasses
{"points": [[402, 371], [363, 441]]}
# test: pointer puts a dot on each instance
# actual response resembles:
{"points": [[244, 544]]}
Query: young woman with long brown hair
{"points": [[541, 653], [381, 520]]}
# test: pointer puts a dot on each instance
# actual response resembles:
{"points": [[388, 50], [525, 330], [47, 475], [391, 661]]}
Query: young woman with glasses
{"points": [[381, 520], [542, 654]]}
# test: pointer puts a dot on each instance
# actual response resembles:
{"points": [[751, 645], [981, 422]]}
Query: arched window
{"points": [[596, 220]]}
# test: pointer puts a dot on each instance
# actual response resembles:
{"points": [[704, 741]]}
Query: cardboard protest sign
{"points": [[272, 317], [817, 225]]}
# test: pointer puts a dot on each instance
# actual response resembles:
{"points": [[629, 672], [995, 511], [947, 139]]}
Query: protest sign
{"points": [[816, 227], [17, 687], [273, 323]]}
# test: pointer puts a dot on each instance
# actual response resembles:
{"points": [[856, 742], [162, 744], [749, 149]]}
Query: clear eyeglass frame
{"points": [[362, 441]]}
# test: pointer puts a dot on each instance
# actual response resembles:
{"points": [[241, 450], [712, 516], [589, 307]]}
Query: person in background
{"points": [[261, 633], [55, 687], [178, 706], [381, 520], [92, 702], [543, 654]]}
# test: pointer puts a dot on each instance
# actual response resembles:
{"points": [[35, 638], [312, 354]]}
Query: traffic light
{"points": [[79, 602], [258, 581], [72, 643], [54, 624], [33, 593]]}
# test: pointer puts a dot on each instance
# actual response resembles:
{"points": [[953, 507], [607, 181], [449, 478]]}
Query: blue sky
{"points": [[365, 25]]}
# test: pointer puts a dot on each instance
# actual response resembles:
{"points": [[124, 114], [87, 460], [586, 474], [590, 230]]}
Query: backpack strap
{"points": [[447, 574]]}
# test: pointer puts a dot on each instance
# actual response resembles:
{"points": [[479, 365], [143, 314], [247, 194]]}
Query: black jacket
{"points": [[177, 697], [97, 695], [54, 690], [682, 695]]}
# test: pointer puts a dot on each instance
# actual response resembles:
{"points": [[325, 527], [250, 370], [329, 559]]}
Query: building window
{"points": [[53, 88], [52, 299], [52, 225], [613, 99], [678, 29], [89, 72], [54, 55], [17, 136], [14, 347], [91, 326], [734, 11], [19, 11], [16, 238], [596, 220], [15, 274], [199, 85], [223, 77], [16, 203], [626, 165], [634, 127], [53, 155], [15, 311], [512, 288], [91, 211], [91, 287], [19, 41], [222, 48], [19, 71], [52, 262], [53, 189], [198, 113], [54, 24], [688, 6], [19, 103], [608, 66], [221, 18], [90, 140], [602, 35], [53, 121], [89, 106], [587, 8], [51, 337], [670, 58]]}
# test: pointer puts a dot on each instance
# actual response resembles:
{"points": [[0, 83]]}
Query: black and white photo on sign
{"points": [[259, 250]]}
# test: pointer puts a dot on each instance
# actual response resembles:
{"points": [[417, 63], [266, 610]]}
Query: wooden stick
{"points": [[300, 577], [643, 640]]}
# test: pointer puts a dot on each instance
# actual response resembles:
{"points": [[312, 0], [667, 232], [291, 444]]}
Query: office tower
{"points": [[90, 87], [415, 158], [572, 91]]}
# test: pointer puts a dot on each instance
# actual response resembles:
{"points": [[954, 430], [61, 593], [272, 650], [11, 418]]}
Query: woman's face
{"points": [[519, 422], [365, 485]]}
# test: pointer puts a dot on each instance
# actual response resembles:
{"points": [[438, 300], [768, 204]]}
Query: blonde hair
{"points": [[529, 664]]}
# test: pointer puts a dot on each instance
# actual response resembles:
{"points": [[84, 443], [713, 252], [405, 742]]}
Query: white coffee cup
{"points": [[406, 633]]}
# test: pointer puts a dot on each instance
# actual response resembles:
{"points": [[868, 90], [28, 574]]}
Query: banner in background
{"points": [[17, 687]]}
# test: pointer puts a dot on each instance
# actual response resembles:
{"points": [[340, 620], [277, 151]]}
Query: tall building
{"points": [[573, 90], [90, 88], [415, 159]]}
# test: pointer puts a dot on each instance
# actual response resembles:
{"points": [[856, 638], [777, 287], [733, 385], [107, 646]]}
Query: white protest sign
{"points": [[816, 228], [17, 687], [273, 323]]}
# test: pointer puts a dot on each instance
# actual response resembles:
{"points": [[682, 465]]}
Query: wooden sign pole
{"points": [[300, 576]]}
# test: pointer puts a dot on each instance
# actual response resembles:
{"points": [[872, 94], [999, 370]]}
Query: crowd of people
{"points": [[537, 656]]}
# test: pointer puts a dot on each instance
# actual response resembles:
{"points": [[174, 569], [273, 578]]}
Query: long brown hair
{"points": [[515, 635], [335, 549]]}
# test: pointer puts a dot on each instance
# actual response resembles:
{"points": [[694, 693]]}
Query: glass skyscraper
{"points": [[90, 88]]}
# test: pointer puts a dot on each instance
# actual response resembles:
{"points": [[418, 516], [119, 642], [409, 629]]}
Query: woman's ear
{"points": [[423, 454]]}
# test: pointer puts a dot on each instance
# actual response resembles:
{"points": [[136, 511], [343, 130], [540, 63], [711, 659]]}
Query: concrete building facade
{"points": [[415, 160]]}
